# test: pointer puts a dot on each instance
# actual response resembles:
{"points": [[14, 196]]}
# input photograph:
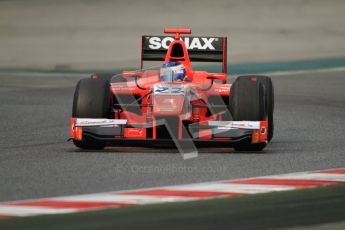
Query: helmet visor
{"points": [[166, 74]]}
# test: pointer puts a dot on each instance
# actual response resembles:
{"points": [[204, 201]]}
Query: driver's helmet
{"points": [[173, 71]]}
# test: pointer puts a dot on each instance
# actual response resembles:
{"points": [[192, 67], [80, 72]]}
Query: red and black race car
{"points": [[173, 103]]}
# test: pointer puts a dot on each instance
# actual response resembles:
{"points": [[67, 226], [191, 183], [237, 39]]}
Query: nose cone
{"points": [[168, 99], [168, 105]]}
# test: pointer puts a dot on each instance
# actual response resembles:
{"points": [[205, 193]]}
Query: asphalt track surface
{"points": [[36, 161]]}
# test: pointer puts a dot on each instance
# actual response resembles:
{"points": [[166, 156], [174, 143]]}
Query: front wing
{"points": [[117, 132]]}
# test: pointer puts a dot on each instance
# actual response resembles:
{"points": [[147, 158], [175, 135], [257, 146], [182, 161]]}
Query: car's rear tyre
{"points": [[92, 99], [247, 103], [269, 100]]}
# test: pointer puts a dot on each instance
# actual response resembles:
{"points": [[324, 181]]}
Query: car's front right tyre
{"points": [[92, 99]]}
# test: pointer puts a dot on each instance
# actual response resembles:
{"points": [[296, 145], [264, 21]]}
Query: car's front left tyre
{"points": [[248, 103]]}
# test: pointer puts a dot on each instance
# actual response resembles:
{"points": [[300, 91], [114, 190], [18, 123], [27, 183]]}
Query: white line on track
{"points": [[12, 210], [122, 198], [231, 188], [312, 176]]}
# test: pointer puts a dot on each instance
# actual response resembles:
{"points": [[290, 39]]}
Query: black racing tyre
{"points": [[269, 100], [247, 103], [92, 99], [247, 100]]}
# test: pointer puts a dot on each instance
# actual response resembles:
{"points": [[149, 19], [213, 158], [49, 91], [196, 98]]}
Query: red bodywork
{"points": [[188, 105]]}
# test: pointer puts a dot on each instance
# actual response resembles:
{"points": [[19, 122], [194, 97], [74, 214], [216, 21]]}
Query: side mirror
{"points": [[128, 74], [217, 76], [135, 74]]}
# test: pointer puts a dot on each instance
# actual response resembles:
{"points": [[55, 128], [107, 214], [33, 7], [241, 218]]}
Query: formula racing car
{"points": [[173, 103]]}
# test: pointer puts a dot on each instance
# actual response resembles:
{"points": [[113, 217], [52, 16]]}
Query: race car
{"points": [[172, 103]]}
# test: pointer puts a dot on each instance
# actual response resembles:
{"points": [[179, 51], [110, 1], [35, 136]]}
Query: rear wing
{"points": [[200, 49]]}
